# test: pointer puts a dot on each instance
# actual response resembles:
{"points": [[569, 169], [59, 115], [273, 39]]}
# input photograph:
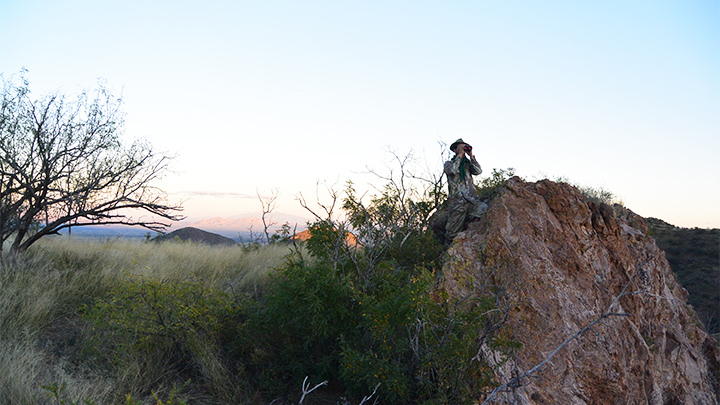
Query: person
{"points": [[463, 203]]}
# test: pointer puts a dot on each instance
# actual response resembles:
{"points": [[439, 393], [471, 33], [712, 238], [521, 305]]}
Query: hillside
{"points": [[190, 234], [547, 299], [561, 264], [694, 256]]}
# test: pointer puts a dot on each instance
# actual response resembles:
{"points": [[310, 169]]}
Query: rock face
{"points": [[559, 263]]}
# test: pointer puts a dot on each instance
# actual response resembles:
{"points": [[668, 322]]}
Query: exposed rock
{"points": [[190, 234], [559, 262], [350, 238]]}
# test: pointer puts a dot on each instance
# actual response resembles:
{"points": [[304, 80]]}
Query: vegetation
{"points": [[354, 311], [63, 163], [694, 256], [52, 330], [598, 195], [121, 322], [490, 186]]}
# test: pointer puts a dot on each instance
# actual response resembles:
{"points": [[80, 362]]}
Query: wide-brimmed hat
{"points": [[456, 143]]}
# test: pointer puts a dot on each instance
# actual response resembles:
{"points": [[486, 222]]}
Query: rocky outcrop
{"points": [[558, 263]]}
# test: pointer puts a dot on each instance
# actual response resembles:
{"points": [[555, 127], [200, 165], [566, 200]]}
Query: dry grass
{"points": [[42, 291]]}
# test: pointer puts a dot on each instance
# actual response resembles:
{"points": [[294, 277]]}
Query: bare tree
{"points": [[329, 209], [63, 163], [268, 206]]}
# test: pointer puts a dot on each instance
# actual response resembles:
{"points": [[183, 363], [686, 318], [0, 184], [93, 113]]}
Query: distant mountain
{"points": [[189, 234], [109, 231], [235, 228], [241, 226]]}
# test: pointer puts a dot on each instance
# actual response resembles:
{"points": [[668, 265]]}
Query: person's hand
{"points": [[461, 150]]}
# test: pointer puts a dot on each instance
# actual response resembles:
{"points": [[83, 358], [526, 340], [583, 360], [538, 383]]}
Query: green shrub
{"points": [[363, 314], [151, 310], [357, 305], [156, 327], [418, 350], [490, 186], [295, 331], [598, 195], [319, 321]]}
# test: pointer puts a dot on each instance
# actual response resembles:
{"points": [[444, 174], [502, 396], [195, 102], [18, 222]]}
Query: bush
{"points": [[420, 351], [490, 187], [357, 305], [598, 195], [319, 321], [362, 314], [295, 331], [182, 323]]}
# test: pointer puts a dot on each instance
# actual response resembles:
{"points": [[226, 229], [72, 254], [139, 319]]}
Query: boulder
{"points": [[558, 263]]}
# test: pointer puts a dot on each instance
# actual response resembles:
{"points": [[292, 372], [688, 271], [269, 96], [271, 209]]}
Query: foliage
{"points": [[419, 350], [64, 164], [694, 257], [357, 305], [282, 234], [294, 333], [360, 310], [56, 392], [489, 187], [44, 339], [184, 322], [598, 195], [184, 313], [319, 320], [392, 227]]}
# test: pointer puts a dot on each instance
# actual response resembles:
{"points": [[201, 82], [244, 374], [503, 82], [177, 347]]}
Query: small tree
{"points": [[268, 206], [63, 164]]}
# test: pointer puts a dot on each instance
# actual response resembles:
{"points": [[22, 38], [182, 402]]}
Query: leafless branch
{"points": [[306, 391], [328, 208], [268, 206], [367, 398], [63, 164]]}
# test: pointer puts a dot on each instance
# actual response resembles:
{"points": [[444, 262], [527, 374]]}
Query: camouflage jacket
{"points": [[461, 184]]}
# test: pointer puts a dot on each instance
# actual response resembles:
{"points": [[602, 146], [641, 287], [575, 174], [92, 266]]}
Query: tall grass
{"points": [[42, 292]]}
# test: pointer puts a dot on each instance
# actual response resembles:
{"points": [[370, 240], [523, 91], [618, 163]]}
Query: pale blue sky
{"points": [[281, 94]]}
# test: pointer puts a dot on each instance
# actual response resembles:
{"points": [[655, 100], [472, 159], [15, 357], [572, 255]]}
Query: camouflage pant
{"points": [[460, 211]]}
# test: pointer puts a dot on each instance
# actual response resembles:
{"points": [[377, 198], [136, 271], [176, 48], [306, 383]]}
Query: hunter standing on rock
{"points": [[463, 203]]}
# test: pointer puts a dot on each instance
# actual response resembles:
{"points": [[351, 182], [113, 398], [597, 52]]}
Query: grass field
{"points": [[43, 335]]}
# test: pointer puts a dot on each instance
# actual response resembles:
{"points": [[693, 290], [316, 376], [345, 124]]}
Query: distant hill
{"points": [[694, 256], [190, 234], [240, 227]]}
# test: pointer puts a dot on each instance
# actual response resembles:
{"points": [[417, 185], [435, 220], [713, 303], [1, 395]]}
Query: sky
{"points": [[256, 96]]}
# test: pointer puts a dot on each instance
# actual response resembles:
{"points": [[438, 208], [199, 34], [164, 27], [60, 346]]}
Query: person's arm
{"points": [[452, 167], [475, 168]]}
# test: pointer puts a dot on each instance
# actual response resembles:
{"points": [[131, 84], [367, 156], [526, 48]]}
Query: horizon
{"points": [[254, 97]]}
